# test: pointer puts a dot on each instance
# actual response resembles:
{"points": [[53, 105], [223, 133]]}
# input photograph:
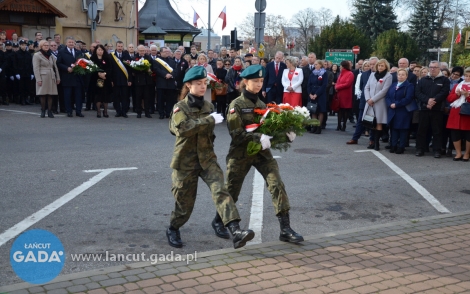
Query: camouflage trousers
{"points": [[268, 168], [184, 190]]}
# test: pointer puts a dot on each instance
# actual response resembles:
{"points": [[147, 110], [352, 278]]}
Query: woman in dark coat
{"points": [[221, 100], [316, 88], [102, 80], [344, 91], [331, 89], [233, 79], [398, 97]]}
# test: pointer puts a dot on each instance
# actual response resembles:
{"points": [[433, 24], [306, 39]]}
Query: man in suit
{"points": [[356, 101], [121, 82], [129, 55], [307, 70], [71, 82], [362, 103], [143, 84], [57, 39], [272, 86], [166, 84], [181, 66]]}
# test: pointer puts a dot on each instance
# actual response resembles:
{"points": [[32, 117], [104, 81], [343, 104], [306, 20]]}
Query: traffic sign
{"points": [[356, 49], [337, 57], [260, 5], [92, 10]]}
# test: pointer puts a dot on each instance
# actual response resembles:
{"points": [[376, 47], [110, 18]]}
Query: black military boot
{"points": [[174, 238], [287, 234], [240, 237], [219, 229]]}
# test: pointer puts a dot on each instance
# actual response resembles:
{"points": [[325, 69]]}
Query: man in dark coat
{"points": [[166, 83], [3, 93], [143, 85], [121, 82], [181, 65], [272, 85], [431, 93], [23, 71], [404, 63], [71, 83], [7, 69], [307, 70], [362, 103]]}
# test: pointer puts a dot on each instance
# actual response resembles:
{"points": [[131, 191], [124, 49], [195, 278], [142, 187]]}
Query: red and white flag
{"points": [[223, 16], [459, 37], [195, 18]]}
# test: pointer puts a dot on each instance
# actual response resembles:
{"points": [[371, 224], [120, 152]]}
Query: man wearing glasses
{"points": [[431, 92]]}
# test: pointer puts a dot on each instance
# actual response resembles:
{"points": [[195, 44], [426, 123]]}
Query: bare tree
{"points": [[325, 17], [304, 21]]}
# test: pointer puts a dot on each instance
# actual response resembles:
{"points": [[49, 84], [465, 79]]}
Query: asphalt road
{"points": [[331, 187]]}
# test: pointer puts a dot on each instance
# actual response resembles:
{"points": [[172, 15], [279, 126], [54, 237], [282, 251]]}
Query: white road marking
{"points": [[27, 112], [39, 215], [256, 215], [415, 185]]}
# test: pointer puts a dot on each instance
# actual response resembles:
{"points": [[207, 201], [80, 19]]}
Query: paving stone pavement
{"points": [[428, 255]]}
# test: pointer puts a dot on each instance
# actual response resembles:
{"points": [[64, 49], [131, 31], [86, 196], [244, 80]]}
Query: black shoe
{"points": [[371, 145], [125, 116], [437, 154], [338, 128], [385, 139], [400, 150], [98, 115], [43, 113], [118, 115], [443, 152], [152, 111], [287, 234], [139, 115], [69, 115], [240, 237], [161, 117], [55, 112], [148, 116], [219, 229], [313, 130], [49, 114], [79, 115], [174, 238], [392, 149], [388, 147], [87, 109], [318, 131], [457, 158], [419, 153]]}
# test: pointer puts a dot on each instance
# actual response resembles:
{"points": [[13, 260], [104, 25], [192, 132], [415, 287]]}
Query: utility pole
{"points": [[453, 34], [209, 29]]}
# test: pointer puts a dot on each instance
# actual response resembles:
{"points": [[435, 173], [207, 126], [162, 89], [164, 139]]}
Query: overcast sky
{"points": [[238, 9]]}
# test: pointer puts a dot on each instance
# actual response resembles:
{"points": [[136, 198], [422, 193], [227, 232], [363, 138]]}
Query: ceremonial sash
{"points": [[165, 65], [88, 55], [121, 66]]}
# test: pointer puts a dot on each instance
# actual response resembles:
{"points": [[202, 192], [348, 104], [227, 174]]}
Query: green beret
{"points": [[195, 73], [253, 72]]}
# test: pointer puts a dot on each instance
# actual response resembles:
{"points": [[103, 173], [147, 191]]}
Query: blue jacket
{"points": [[317, 86], [270, 78], [401, 97], [364, 79]]}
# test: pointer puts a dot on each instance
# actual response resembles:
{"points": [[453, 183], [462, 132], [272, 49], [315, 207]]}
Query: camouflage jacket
{"points": [[194, 131], [240, 113]]}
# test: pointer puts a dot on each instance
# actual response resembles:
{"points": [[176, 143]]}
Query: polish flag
{"points": [[212, 77], [223, 16], [459, 37], [195, 18]]}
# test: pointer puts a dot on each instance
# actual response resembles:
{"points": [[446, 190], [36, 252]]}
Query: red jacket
{"points": [[344, 88], [457, 121]]}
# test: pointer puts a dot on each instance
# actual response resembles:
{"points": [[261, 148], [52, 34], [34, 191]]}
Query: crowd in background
{"points": [[405, 101]]}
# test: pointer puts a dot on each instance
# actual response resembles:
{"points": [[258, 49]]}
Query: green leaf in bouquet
{"points": [[253, 148]]}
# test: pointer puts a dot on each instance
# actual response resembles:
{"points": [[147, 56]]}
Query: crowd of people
{"points": [[405, 101]]}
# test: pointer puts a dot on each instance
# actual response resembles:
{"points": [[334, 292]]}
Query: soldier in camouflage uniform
{"points": [[240, 113], [192, 121]]}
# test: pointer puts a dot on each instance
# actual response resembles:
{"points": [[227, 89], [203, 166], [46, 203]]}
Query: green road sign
{"points": [[337, 57]]}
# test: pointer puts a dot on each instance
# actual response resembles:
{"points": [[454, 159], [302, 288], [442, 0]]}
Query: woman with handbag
{"points": [[102, 80], [344, 93], [316, 88], [375, 91], [399, 115], [459, 116], [221, 95], [292, 78]]}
